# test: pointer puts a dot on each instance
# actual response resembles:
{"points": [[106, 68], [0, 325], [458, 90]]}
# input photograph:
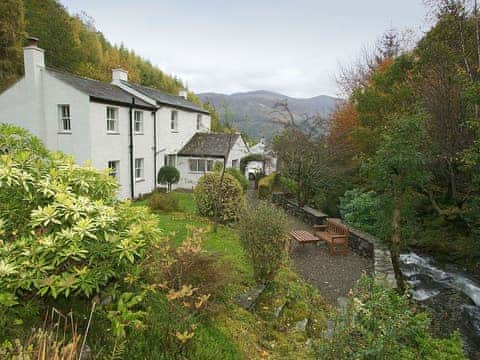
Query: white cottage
{"points": [[201, 153], [132, 129], [266, 162]]}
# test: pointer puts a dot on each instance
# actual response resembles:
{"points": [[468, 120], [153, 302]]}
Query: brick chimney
{"points": [[34, 60], [119, 75]]}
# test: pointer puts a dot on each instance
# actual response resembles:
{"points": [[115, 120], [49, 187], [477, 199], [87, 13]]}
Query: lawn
{"points": [[234, 333]]}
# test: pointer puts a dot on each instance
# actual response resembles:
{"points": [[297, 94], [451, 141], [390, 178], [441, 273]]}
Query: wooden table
{"points": [[303, 237]]}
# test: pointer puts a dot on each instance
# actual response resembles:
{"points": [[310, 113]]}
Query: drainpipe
{"points": [[132, 164], [154, 150]]}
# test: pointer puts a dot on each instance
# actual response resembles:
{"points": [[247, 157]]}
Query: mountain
{"points": [[254, 112]]}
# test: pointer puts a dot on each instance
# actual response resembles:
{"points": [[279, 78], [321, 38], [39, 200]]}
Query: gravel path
{"points": [[332, 275]]}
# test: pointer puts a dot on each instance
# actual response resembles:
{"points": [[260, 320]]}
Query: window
{"points": [[174, 121], [138, 122], [209, 165], [199, 121], [114, 167], [200, 165], [64, 118], [235, 164], [112, 120], [139, 169], [170, 160]]}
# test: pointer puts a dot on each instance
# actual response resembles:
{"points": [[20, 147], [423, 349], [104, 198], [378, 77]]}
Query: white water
{"points": [[416, 264], [427, 280]]}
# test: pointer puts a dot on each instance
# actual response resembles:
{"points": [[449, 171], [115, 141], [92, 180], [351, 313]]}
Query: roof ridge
{"points": [[77, 76], [148, 87]]}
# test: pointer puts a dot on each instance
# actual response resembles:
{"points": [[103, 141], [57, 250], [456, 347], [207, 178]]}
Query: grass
{"points": [[223, 241], [227, 331], [234, 332]]}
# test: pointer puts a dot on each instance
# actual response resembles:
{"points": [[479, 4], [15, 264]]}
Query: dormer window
{"points": [[199, 121], [112, 120], [174, 121], [138, 122], [64, 122]]}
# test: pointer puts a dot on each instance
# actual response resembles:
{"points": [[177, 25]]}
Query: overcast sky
{"points": [[288, 46]]}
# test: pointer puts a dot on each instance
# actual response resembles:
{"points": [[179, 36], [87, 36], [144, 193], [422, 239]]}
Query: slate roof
{"points": [[164, 98], [209, 145], [98, 90]]}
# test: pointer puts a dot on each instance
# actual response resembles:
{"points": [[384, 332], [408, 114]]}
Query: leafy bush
{"points": [[217, 198], [167, 202], [73, 236], [239, 176], [264, 236], [379, 324], [168, 175], [266, 185], [361, 210]]}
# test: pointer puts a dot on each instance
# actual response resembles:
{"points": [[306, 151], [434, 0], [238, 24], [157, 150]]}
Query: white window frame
{"points": [[114, 167], [64, 120], [235, 163], [199, 121], [110, 110], [139, 169], [196, 165], [138, 122], [174, 121], [170, 160]]}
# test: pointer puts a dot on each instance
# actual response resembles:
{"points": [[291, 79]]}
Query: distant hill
{"points": [[253, 112]]}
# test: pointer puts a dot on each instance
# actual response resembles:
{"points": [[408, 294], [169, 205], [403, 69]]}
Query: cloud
{"points": [[287, 46]]}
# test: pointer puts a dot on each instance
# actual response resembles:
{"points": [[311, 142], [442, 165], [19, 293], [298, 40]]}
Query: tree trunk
{"points": [[395, 245]]}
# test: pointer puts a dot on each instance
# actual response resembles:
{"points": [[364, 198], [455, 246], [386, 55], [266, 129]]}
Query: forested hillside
{"points": [[72, 44]]}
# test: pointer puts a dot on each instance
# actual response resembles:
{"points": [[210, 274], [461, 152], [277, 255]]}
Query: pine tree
{"points": [[12, 33]]}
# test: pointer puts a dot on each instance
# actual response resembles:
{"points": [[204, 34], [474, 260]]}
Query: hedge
{"points": [[266, 185]]}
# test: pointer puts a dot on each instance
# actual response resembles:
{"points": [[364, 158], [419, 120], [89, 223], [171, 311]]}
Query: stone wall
{"points": [[361, 243], [307, 214]]}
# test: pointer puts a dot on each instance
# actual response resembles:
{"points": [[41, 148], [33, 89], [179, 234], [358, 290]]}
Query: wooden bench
{"points": [[303, 237], [335, 235]]}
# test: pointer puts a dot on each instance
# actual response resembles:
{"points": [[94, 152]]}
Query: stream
{"points": [[451, 296]]}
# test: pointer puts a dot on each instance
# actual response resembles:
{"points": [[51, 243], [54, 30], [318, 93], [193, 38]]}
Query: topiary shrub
{"points": [[168, 175], [218, 198], [239, 176], [166, 202], [266, 185], [264, 237]]}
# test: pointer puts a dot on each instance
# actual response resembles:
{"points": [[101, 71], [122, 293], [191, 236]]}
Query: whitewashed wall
{"points": [[172, 141], [239, 150], [78, 142], [115, 147]]}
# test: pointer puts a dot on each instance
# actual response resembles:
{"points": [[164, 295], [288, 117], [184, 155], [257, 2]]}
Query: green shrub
{"points": [[379, 324], [361, 210], [264, 237], [266, 186], [218, 166], [239, 176], [217, 198], [73, 236], [168, 175], [167, 202]]}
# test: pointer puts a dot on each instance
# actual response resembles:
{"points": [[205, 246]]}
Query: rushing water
{"points": [[452, 294]]}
